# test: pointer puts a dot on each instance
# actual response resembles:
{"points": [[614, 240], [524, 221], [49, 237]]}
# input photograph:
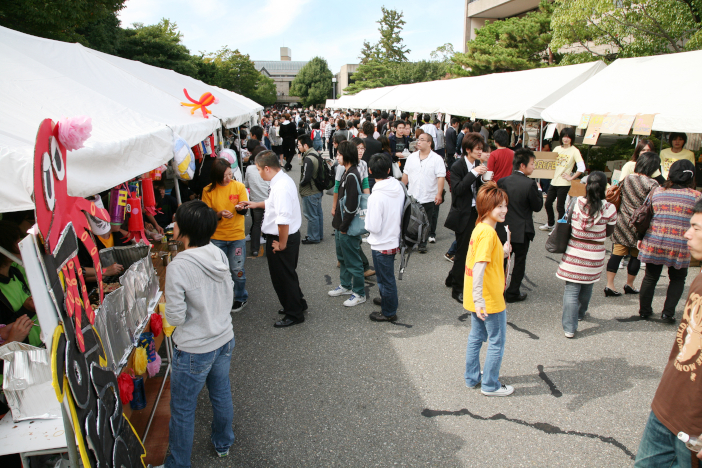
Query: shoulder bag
{"points": [[642, 216], [557, 241], [358, 224], [614, 194]]}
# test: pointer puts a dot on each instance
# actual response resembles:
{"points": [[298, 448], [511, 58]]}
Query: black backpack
{"points": [[324, 179], [414, 229]]}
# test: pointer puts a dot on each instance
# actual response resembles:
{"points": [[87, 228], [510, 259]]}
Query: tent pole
{"points": [[524, 133], [177, 192], [541, 135]]}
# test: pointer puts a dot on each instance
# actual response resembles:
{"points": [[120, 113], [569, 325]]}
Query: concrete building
{"points": [[479, 11], [283, 72], [345, 77]]}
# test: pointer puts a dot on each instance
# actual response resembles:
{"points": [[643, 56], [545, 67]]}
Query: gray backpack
{"points": [[414, 229]]}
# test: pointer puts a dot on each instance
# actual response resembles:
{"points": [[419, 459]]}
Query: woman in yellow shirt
{"points": [[484, 287], [224, 195]]}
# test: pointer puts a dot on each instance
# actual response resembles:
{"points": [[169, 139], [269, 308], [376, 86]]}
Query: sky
{"points": [[331, 29]]}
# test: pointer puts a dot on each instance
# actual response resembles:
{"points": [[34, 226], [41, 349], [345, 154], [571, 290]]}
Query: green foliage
{"points": [[369, 52], [603, 29], [390, 45], [313, 83], [377, 74], [158, 45], [597, 156], [509, 45], [64, 20], [443, 53]]}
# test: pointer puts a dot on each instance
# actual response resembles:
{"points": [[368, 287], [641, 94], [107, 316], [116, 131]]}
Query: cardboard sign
{"points": [[616, 165], [545, 163], [584, 121], [643, 124], [624, 123], [593, 129], [577, 189], [609, 123], [550, 130], [616, 175]]}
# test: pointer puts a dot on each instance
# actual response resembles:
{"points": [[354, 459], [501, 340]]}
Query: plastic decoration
{"points": [[154, 366], [183, 159], [156, 324], [167, 327], [140, 361], [230, 156], [206, 99], [147, 188], [73, 131], [136, 221], [126, 388], [118, 204]]}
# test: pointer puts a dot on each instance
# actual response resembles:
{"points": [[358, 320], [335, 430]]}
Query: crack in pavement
{"points": [[543, 427], [530, 334], [402, 325], [553, 260], [526, 278], [551, 386]]}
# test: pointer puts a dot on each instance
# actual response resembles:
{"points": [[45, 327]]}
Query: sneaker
{"points": [[378, 301], [364, 240], [378, 317], [432, 240], [422, 250], [505, 390], [339, 291], [368, 272], [449, 257], [248, 237], [569, 335], [223, 454], [545, 227], [354, 300], [238, 305], [621, 265], [262, 241]]}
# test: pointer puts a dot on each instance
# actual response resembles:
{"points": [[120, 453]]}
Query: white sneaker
{"points": [[569, 335], [432, 240], [262, 241], [505, 390], [354, 300], [248, 237], [339, 291], [545, 227], [364, 240]]}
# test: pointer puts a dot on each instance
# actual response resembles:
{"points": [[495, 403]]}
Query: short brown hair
{"points": [[471, 141], [490, 196]]}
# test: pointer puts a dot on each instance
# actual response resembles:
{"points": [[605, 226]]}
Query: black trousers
{"points": [[432, 211], [632, 268], [648, 287], [283, 266], [556, 193], [288, 151], [255, 232], [458, 271], [520, 251]]}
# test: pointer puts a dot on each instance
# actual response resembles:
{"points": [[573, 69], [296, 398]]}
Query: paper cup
{"points": [[488, 175]]}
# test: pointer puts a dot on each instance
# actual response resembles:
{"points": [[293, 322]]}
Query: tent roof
{"points": [[499, 96], [665, 85], [135, 108]]}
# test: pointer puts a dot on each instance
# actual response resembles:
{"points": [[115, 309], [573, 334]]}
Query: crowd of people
{"points": [[377, 160]]}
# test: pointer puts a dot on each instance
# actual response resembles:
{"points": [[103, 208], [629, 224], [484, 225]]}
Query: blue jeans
{"points": [[576, 299], [385, 274], [453, 249], [661, 448], [236, 253], [267, 143], [493, 330], [190, 373], [312, 209]]}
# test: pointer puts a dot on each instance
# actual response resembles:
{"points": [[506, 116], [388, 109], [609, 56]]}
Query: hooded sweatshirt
{"points": [[384, 214], [199, 295]]}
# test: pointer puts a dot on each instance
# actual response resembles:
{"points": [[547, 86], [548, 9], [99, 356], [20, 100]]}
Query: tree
{"points": [[63, 20], [377, 74], [509, 45], [601, 29], [443, 53], [390, 45], [313, 82], [158, 45], [369, 52]]}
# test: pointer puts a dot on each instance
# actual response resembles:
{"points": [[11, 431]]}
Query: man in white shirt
{"points": [[429, 127], [281, 225], [425, 173]]}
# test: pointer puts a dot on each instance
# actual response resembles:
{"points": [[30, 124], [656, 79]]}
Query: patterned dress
{"points": [[635, 189], [584, 258], [664, 243]]}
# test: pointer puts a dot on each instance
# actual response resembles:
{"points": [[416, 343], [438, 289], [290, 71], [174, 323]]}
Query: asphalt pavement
{"points": [[342, 391]]}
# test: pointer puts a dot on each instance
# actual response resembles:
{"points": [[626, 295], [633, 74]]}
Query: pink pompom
{"points": [[73, 131], [153, 367], [216, 101]]}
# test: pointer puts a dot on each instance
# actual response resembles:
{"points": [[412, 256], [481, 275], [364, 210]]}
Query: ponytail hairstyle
{"points": [[490, 196], [595, 191]]}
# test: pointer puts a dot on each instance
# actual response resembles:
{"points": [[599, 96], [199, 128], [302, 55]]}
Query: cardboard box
{"points": [[545, 163], [577, 189]]}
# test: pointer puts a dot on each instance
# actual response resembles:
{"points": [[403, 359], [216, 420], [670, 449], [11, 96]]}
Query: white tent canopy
{"points": [[363, 98], [499, 96], [135, 110], [665, 85]]}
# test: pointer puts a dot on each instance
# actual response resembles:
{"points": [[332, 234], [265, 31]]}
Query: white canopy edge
{"points": [[665, 85]]}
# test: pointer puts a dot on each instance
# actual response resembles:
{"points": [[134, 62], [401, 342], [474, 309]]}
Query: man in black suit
{"points": [[451, 141], [525, 198], [372, 145], [466, 180]]}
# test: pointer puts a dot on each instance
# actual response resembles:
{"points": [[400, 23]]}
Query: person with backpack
{"points": [[383, 222], [309, 192], [348, 247], [316, 137]]}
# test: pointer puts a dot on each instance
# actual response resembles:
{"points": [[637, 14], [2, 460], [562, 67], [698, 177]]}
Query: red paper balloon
{"points": [[156, 324], [147, 187], [126, 388]]}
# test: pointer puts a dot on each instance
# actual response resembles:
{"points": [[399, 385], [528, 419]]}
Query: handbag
{"points": [[642, 216], [614, 195], [557, 241], [396, 172], [358, 223]]}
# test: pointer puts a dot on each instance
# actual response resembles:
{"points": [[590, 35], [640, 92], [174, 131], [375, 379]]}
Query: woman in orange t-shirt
{"points": [[224, 195]]}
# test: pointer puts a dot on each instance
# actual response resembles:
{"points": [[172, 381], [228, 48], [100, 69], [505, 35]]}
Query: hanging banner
{"points": [[593, 129], [584, 121], [643, 124], [624, 124]]}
